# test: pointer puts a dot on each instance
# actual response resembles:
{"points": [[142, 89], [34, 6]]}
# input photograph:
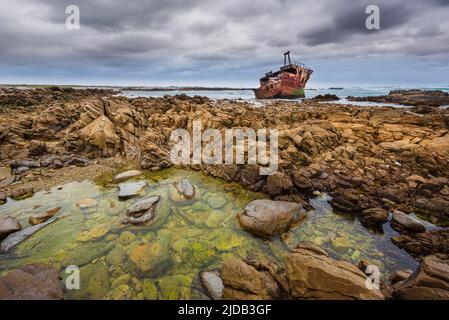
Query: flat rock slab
{"points": [[131, 189], [8, 225], [142, 205], [32, 282], [269, 218], [15, 238], [401, 221], [127, 175]]}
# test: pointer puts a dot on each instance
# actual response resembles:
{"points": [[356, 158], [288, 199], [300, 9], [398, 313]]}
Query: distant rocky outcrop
{"points": [[420, 98]]}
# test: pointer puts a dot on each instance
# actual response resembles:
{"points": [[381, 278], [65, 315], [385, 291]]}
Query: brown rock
{"points": [[269, 218], [244, 282], [316, 276], [424, 243], [278, 183], [44, 216], [429, 282], [32, 282], [374, 217], [8, 225], [402, 222]]}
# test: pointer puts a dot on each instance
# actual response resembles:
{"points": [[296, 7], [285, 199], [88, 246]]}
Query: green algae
{"points": [[161, 260]]}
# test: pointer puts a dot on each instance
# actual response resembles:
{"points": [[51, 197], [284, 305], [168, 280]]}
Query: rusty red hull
{"points": [[287, 83]]}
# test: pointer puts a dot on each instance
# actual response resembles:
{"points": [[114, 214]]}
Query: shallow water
{"points": [[160, 261]]}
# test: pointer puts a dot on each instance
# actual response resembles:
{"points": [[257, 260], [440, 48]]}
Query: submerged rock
{"points": [[14, 239], [131, 189], [269, 218], [429, 282], [315, 275], [212, 284], [8, 225], [142, 212], [402, 222], [153, 258], [127, 175], [94, 282], [32, 282], [140, 207], [86, 203], [44, 216], [186, 189]]}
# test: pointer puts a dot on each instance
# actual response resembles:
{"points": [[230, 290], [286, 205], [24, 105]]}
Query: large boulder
{"points": [[312, 274], [269, 218], [8, 225], [32, 282], [429, 282]]}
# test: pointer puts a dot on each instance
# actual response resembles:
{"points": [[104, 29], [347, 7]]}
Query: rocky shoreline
{"points": [[379, 164]]}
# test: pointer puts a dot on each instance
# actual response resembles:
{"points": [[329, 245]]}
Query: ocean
{"points": [[249, 94]]}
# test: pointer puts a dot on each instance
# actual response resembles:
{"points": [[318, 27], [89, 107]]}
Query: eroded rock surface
{"points": [[32, 282], [429, 282]]}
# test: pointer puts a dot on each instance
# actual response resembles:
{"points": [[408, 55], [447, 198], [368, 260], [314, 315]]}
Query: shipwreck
{"points": [[286, 83]]}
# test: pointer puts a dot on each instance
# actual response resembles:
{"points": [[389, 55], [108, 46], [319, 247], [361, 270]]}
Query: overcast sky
{"points": [[223, 43]]}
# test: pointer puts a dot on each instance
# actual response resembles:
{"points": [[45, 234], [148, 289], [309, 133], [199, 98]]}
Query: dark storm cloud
{"points": [[351, 20], [171, 37]]}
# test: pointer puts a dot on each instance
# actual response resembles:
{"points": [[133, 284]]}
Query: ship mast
{"points": [[287, 55]]}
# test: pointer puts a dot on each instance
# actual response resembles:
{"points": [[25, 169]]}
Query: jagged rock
{"points": [[212, 284], [374, 217], [400, 275], [15, 238], [6, 177], [8, 225], [402, 222], [424, 243], [269, 218], [127, 175], [101, 134], [32, 282], [131, 189], [278, 183], [44, 216], [429, 282], [314, 275], [242, 281]]}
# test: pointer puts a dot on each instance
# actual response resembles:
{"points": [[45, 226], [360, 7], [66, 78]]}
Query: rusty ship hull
{"points": [[287, 83]]}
